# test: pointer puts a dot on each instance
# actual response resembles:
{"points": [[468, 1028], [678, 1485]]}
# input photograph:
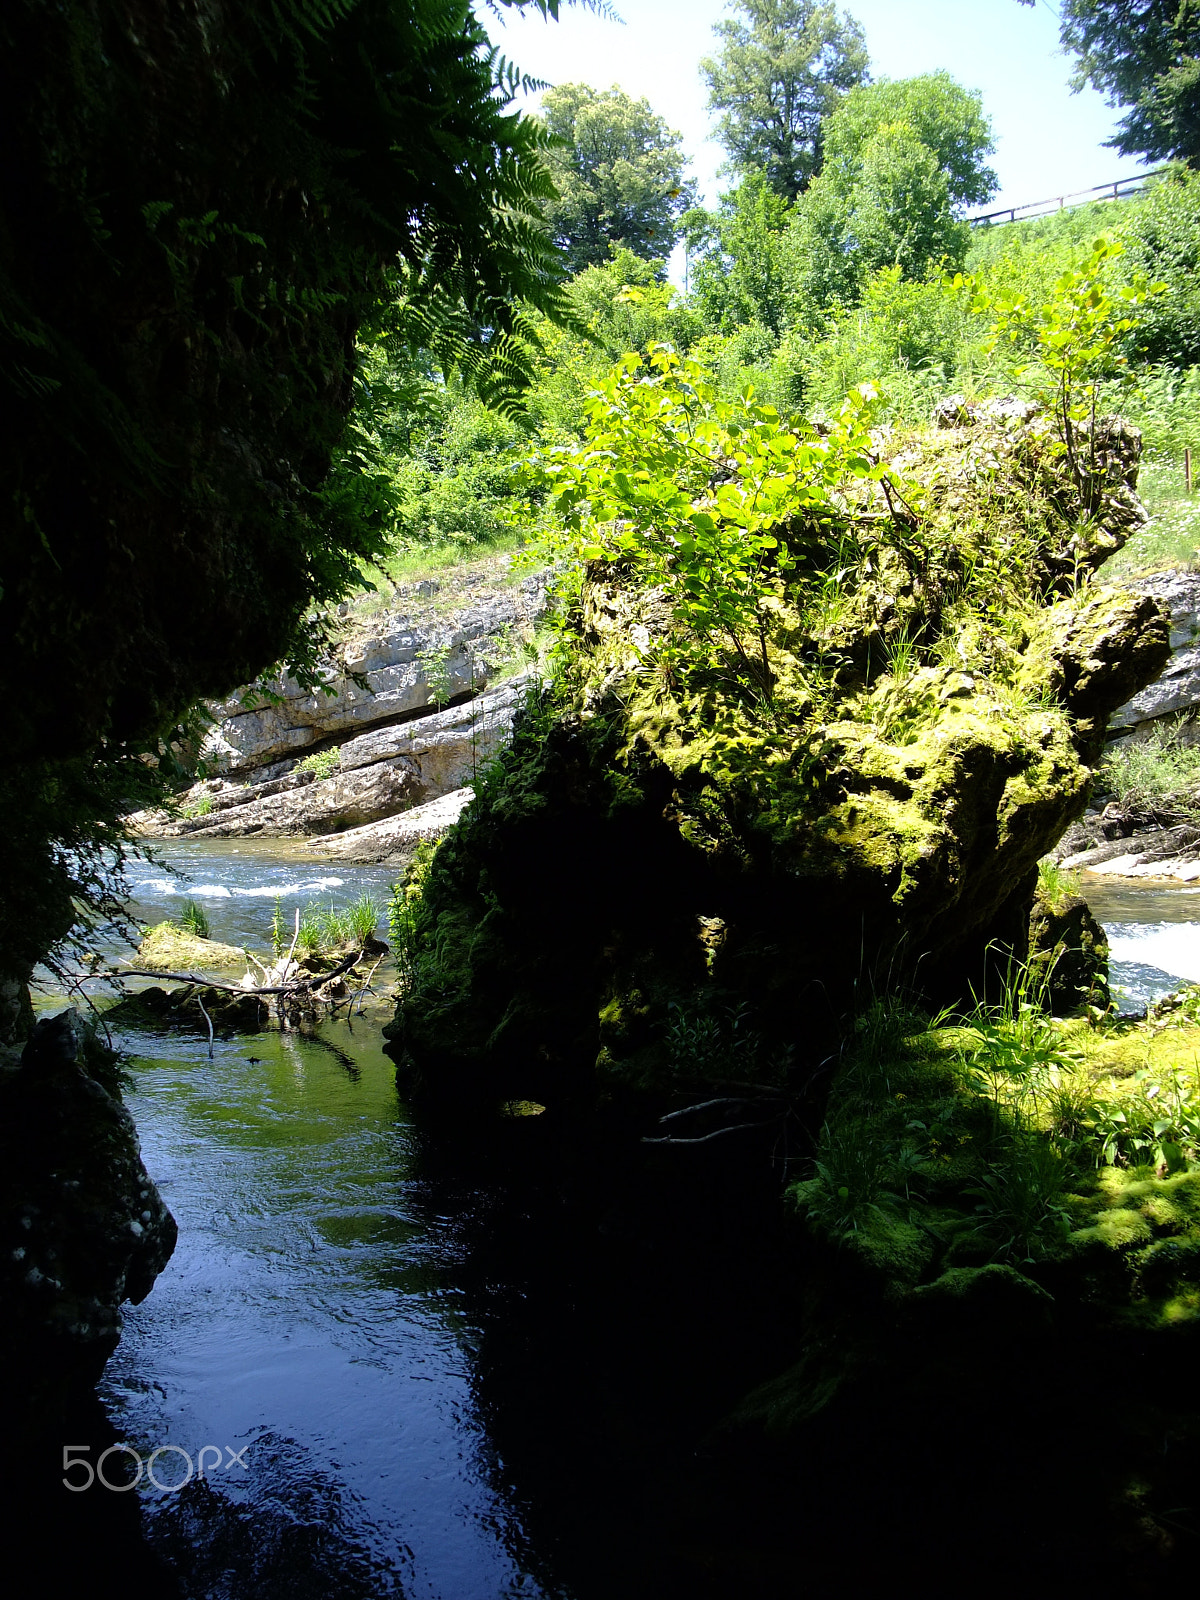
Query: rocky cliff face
{"points": [[652, 860], [391, 748], [1177, 690], [443, 646]]}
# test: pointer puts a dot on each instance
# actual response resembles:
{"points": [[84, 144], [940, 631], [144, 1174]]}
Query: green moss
{"points": [[882, 811]]}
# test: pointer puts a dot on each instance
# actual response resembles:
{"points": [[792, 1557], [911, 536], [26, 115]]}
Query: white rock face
{"points": [[382, 774], [1178, 690], [409, 665], [395, 838]]}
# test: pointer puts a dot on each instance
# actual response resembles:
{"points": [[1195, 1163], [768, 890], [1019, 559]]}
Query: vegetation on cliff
{"points": [[829, 694]]}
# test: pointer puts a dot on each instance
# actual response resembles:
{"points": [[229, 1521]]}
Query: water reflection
{"points": [[310, 1314]]}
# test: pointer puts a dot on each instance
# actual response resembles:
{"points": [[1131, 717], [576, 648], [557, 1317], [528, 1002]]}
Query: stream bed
{"points": [[326, 1328]]}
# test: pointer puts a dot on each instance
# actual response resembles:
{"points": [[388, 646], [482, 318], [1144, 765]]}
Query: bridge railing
{"points": [[1119, 190]]}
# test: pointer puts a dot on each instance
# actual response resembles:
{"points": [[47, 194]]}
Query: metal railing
{"points": [[1120, 190]]}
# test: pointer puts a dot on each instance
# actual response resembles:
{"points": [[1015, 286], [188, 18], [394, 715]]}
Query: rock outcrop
{"points": [[84, 1227], [1176, 691], [1068, 954], [655, 855], [443, 647], [380, 774], [396, 838], [439, 703], [170, 948]]}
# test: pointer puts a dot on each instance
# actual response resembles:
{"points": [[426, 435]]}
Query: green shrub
{"points": [[1158, 1125], [324, 763], [1141, 773], [1020, 1199], [403, 907]]}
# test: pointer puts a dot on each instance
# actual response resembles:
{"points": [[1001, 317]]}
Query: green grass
{"points": [[193, 919], [1145, 772], [412, 563], [1172, 538], [327, 929], [1057, 885]]}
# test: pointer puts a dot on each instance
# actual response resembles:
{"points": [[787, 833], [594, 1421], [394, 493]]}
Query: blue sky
{"points": [[1049, 141]]}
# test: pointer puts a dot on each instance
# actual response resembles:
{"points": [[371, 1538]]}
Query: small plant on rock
{"points": [[322, 763], [193, 919]]}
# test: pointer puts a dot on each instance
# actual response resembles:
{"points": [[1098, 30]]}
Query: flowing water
{"points": [[1153, 937], [329, 1324]]}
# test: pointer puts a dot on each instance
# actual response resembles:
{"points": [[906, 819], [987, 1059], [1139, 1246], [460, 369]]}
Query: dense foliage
{"points": [[197, 213], [1144, 54]]}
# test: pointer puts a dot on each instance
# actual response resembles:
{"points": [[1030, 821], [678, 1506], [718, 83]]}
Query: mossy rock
{"points": [[169, 948], [652, 855], [1068, 954]]}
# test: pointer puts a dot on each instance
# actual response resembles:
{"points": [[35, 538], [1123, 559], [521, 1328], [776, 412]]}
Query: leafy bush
{"points": [[403, 906], [715, 1045], [1158, 1125], [322, 763], [913, 338], [1020, 1198], [652, 485]]}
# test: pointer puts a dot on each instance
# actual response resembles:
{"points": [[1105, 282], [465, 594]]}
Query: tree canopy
{"points": [[1145, 55], [738, 273], [946, 118], [781, 70], [902, 157], [619, 172]]}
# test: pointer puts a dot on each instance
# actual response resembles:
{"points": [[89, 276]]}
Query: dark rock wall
{"points": [[84, 1229]]}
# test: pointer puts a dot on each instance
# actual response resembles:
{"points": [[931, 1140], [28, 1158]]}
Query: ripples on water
{"points": [[1153, 938], [307, 1314]]}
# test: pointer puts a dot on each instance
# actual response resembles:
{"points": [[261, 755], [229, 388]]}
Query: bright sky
{"points": [[1049, 141]]}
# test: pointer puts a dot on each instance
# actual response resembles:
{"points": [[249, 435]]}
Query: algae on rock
{"points": [[867, 807]]}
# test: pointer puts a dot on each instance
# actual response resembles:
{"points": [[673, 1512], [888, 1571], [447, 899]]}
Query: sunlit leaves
{"points": [[712, 497]]}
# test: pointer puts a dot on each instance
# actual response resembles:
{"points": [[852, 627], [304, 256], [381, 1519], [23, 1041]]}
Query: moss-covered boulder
{"points": [[169, 948], [683, 876], [84, 1229], [1068, 952]]}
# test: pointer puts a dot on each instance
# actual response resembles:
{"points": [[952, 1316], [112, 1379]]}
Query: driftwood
{"points": [[300, 986], [297, 986]]}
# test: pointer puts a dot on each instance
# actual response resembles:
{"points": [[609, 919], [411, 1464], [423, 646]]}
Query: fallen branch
{"points": [[707, 1105], [738, 1127], [363, 989], [298, 986]]}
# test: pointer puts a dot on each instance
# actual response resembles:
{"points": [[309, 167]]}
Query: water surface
{"points": [[430, 1402]]}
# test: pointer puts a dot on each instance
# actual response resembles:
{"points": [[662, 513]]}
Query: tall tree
{"points": [[782, 68], [947, 119], [735, 262], [1143, 54], [902, 159], [619, 172]]}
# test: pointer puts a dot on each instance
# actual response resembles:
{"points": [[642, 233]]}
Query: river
{"points": [[405, 1399]]}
